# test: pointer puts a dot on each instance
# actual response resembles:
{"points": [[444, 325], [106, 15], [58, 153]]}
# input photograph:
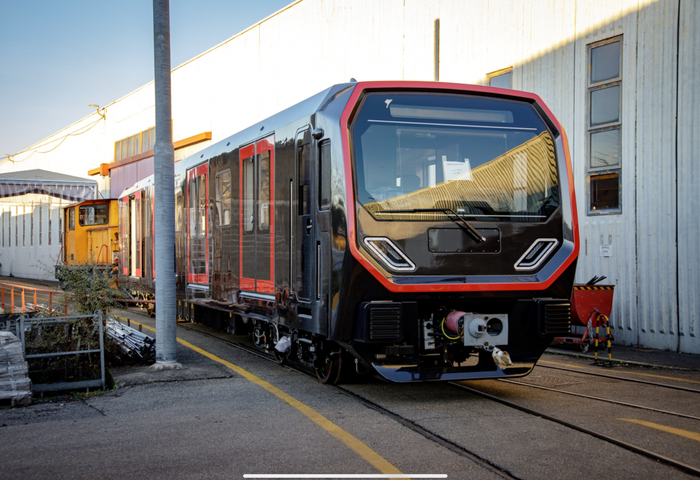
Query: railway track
{"points": [[432, 436], [625, 379], [601, 399], [471, 455], [606, 438]]}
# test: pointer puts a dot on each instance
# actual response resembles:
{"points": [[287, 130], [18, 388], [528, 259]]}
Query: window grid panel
{"points": [[604, 97]]}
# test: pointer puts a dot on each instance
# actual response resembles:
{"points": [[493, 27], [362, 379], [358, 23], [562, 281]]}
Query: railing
{"points": [[34, 326], [10, 290]]}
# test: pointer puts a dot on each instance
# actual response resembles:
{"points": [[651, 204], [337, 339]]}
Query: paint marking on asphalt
{"points": [[676, 431], [348, 439], [627, 373]]}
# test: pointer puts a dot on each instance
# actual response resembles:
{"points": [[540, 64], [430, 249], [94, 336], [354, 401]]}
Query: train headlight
{"points": [[390, 254], [536, 254]]}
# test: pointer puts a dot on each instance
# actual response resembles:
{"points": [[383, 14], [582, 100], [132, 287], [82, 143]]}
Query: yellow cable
{"points": [[442, 326]]}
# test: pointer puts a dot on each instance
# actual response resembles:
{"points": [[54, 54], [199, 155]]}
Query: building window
{"points": [[604, 164], [135, 144], [501, 78]]}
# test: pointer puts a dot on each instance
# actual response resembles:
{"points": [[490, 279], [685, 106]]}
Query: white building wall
{"points": [[688, 174], [315, 43], [30, 236]]}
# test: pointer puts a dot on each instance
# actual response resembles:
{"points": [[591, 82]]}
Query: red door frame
{"points": [[126, 245], [200, 278], [255, 149], [139, 244]]}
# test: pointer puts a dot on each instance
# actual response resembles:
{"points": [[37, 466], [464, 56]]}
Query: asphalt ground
{"points": [[228, 413]]}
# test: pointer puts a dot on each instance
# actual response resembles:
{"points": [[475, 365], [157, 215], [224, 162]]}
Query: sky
{"points": [[58, 57]]}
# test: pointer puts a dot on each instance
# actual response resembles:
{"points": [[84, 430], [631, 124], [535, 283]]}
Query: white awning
{"points": [[43, 182]]}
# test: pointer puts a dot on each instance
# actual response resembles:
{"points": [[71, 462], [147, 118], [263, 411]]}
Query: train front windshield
{"points": [[422, 157]]}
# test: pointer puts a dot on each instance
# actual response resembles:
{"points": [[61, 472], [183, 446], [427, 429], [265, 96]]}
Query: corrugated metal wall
{"points": [[689, 176], [656, 76]]}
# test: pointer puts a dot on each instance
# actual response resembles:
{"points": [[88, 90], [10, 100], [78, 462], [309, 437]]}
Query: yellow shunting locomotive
{"points": [[90, 233]]}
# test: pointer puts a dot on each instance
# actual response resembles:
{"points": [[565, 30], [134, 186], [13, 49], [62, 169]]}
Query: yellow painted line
{"points": [[356, 445], [676, 431], [628, 373]]}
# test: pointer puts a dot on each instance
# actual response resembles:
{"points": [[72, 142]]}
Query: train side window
{"points": [[178, 212], [324, 179], [223, 198], [304, 200], [264, 189], [71, 219], [248, 195]]}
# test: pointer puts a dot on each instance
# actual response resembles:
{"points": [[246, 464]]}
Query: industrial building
{"points": [[620, 75]]}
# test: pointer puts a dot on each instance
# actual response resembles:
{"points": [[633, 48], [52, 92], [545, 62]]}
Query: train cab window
{"points": [[420, 155], [223, 198], [71, 219], [97, 214], [324, 178]]}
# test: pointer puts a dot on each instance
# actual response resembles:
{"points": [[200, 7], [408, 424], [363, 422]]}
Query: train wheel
{"points": [[329, 372]]}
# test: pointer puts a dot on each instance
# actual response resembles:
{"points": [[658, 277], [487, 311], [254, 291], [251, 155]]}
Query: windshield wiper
{"points": [[473, 232]]}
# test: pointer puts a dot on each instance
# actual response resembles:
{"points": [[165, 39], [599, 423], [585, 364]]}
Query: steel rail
{"points": [[601, 399], [620, 443], [624, 379]]}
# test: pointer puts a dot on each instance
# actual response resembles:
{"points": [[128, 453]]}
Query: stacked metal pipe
{"points": [[136, 345]]}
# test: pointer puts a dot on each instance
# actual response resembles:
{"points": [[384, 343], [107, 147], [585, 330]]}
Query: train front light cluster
{"points": [[391, 255]]}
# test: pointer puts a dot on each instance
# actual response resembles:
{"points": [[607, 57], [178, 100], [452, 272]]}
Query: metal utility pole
{"points": [[164, 211]]}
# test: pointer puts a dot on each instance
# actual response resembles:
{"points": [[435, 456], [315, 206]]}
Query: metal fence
{"points": [[76, 333]]}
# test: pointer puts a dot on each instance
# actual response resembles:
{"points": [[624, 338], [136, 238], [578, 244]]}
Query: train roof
{"points": [[306, 108], [263, 128]]}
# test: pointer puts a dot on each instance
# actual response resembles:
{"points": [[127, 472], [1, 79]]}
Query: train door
{"points": [[135, 233], [257, 228], [304, 248], [124, 230], [197, 226]]}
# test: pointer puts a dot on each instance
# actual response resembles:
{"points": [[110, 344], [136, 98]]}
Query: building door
{"points": [[257, 226], [197, 226]]}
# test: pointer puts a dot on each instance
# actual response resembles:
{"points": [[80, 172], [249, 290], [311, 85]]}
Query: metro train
{"points": [[413, 230]]}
